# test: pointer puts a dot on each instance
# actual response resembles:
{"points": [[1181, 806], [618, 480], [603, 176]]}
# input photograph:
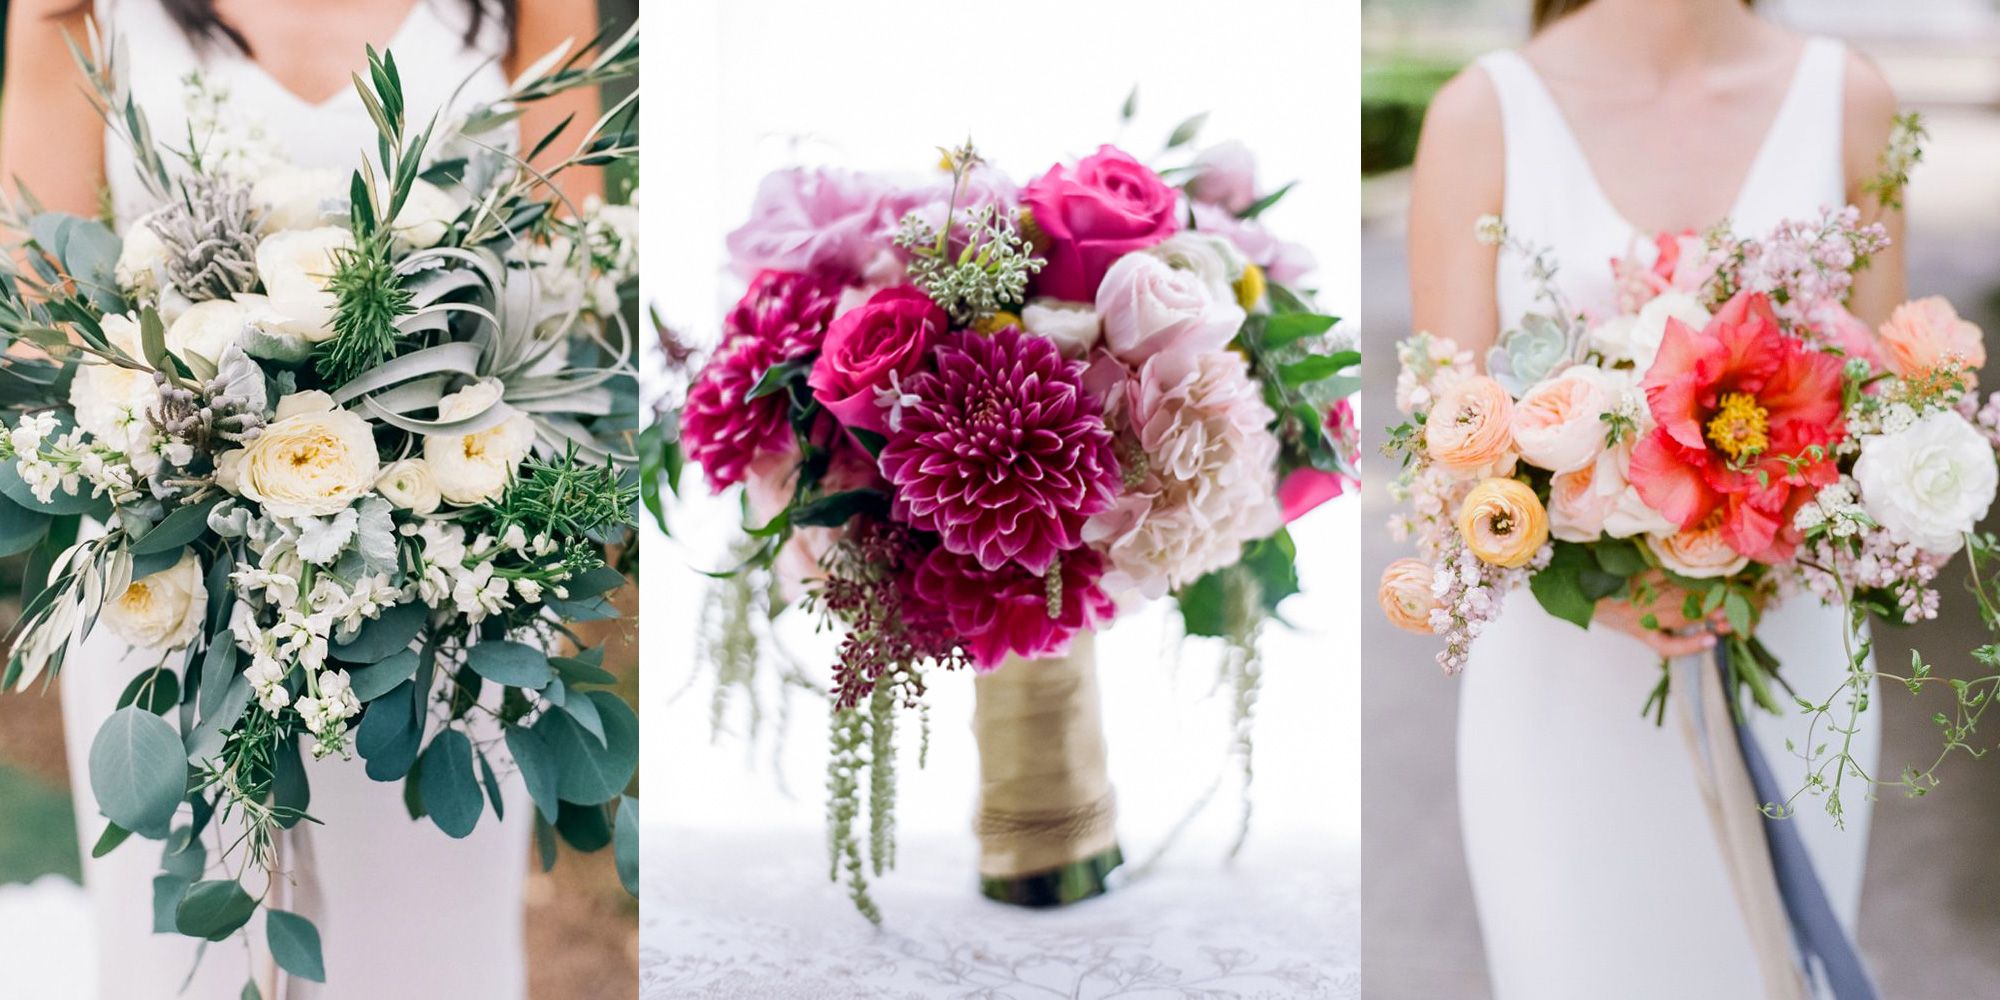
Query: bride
{"points": [[1592, 858], [403, 910]]}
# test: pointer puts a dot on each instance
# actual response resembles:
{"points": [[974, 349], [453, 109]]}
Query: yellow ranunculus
{"points": [[1503, 522]]}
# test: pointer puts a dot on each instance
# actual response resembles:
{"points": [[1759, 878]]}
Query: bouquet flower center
{"points": [[1740, 426]]}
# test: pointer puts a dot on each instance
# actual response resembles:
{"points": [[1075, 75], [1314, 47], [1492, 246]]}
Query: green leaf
{"points": [[214, 909], [209, 735], [1204, 608], [1131, 105], [584, 827], [390, 733], [835, 510], [492, 783], [1317, 368], [584, 711], [177, 529], [157, 691], [511, 663], [113, 836], [625, 843], [588, 772], [1742, 617], [138, 771], [21, 529], [1185, 132], [1619, 557], [295, 945], [1261, 205], [377, 679], [167, 893], [250, 991], [584, 668], [778, 377], [1290, 328], [385, 636], [153, 339], [291, 790], [1559, 587], [539, 768], [451, 792]]}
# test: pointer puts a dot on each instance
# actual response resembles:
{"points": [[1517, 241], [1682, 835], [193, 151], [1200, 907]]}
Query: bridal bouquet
{"points": [[344, 451], [1728, 428], [975, 421]]}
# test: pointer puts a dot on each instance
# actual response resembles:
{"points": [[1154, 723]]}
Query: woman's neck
{"points": [[1669, 37]]}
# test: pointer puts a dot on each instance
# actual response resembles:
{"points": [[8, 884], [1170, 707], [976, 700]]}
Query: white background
{"points": [[754, 85]]}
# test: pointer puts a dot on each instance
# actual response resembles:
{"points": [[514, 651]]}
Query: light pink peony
{"points": [[1924, 335], [869, 350], [1284, 263], [824, 221], [1225, 176], [1086, 216], [782, 317], [1149, 307], [1002, 453]]}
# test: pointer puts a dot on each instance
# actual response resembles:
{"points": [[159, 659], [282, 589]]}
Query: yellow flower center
{"points": [[1250, 287], [1738, 427]]}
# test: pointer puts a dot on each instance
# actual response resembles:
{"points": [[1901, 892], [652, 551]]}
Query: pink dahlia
{"points": [[1011, 610], [1001, 452], [781, 318]]}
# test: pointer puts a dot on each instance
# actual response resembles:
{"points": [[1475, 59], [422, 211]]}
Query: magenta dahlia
{"points": [[1001, 452], [781, 318], [1010, 610]]}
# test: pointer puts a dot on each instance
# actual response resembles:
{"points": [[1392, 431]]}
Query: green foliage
{"points": [[138, 771], [370, 299], [564, 498], [295, 945]]}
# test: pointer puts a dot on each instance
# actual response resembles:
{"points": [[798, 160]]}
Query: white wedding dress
{"points": [[404, 912], [1594, 865]]}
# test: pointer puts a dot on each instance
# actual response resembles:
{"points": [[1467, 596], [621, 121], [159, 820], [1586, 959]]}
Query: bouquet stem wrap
{"points": [[1046, 821], [1798, 939]]}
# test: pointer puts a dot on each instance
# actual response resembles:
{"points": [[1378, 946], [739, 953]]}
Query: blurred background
{"points": [[581, 927], [735, 849], [1931, 905]]}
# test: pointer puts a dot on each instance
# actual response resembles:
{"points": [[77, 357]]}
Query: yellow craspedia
{"points": [[998, 321], [1503, 522], [1250, 287]]}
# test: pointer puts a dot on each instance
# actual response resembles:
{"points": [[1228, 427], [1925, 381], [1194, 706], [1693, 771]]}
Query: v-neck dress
{"points": [[402, 909], [1594, 866]]}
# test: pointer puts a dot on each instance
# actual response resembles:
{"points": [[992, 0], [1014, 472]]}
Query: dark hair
{"points": [[1548, 12], [202, 25]]}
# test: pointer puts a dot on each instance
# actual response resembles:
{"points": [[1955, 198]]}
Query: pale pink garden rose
{"points": [[1599, 500], [1470, 431], [1225, 175], [1559, 424], [1284, 263], [1701, 552], [1150, 307], [1923, 335]]}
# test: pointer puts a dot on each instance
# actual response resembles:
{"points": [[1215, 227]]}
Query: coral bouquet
{"points": [[975, 420]]}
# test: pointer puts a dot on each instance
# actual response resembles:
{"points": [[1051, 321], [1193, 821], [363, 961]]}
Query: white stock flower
{"points": [[409, 484], [470, 468], [1929, 483], [162, 611], [295, 267], [314, 460]]}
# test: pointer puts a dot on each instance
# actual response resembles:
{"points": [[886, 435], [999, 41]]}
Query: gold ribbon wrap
{"points": [[1045, 798]]}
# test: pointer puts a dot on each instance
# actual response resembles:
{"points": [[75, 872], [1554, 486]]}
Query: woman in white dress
{"points": [[1593, 860], [403, 910]]}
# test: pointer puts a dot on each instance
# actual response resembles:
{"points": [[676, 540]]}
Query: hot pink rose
{"points": [[1306, 488], [1093, 213], [870, 348]]}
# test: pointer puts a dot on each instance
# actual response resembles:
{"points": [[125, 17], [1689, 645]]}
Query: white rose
{"points": [[409, 484], [1599, 500], [142, 260], [471, 468], [112, 401], [162, 611], [300, 198], [314, 460], [207, 329], [426, 216], [1072, 325], [1216, 259], [1150, 306], [1929, 483], [1559, 425], [295, 267], [1638, 341]]}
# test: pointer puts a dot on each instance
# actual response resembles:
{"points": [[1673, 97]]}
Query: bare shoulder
{"points": [[1868, 116], [1462, 125]]}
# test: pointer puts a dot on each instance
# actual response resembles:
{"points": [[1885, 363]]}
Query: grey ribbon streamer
{"points": [[1827, 950]]}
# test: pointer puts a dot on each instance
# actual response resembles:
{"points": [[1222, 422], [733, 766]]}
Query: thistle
{"points": [[988, 273], [210, 234]]}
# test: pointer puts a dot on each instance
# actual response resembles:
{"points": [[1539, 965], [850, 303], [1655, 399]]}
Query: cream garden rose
{"points": [[426, 216], [409, 484], [298, 197], [1638, 339], [313, 460], [296, 266], [142, 259], [207, 329], [1700, 552], [162, 611], [470, 468], [111, 400], [1930, 482]]}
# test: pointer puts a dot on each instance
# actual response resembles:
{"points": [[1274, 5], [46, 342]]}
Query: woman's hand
{"points": [[1671, 634]]}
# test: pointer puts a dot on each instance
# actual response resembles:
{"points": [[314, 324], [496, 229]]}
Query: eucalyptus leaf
{"points": [[384, 636], [540, 770], [137, 771], [512, 663], [625, 843], [181, 526], [295, 945], [377, 679], [587, 771], [451, 793], [213, 910]]}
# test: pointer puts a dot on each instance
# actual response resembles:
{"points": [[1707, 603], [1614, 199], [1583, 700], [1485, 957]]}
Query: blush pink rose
{"points": [[1924, 335], [1284, 263], [870, 348], [1088, 215], [1225, 175], [1559, 424], [1150, 307]]}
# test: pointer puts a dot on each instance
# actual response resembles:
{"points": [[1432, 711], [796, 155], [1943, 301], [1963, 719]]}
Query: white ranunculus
{"points": [[300, 197], [1930, 482], [313, 460], [142, 260], [1149, 306], [426, 216], [470, 468], [1073, 326], [162, 611], [111, 400], [1216, 259], [207, 329], [1638, 340], [295, 267], [409, 484]]}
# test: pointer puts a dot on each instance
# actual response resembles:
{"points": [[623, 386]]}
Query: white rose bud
{"points": [[426, 216], [1929, 483], [295, 267], [409, 484], [162, 611], [207, 329], [314, 460]]}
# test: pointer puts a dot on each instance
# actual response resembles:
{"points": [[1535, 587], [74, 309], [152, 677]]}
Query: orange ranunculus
{"points": [[1405, 595], [1503, 522], [1468, 430]]}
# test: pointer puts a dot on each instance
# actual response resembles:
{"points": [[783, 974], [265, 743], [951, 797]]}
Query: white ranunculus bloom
{"points": [[313, 460], [1216, 259], [409, 484], [299, 197], [142, 260], [295, 267], [1150, 306], [426, 215], [1930, 482], [162, 611], [207, 329], [471, 468], [111, 400], [1073, 326]]}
